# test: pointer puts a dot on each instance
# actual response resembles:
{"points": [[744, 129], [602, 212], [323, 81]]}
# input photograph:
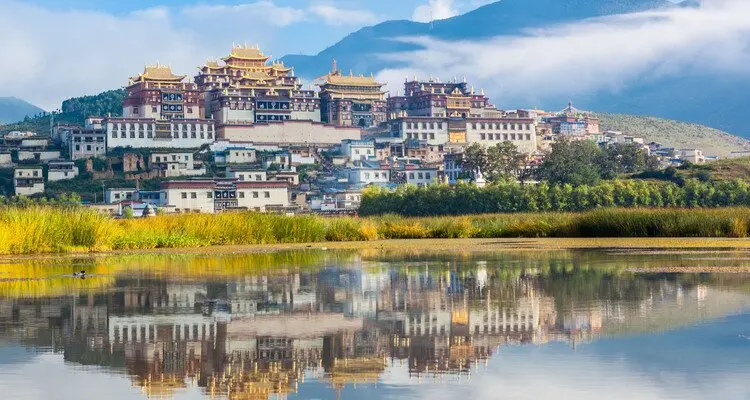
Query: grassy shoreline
{"points": [[44, 230]]}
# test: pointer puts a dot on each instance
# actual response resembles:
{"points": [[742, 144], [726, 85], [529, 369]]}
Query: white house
{"points": [[175, 164], [693, 156], [247, 174], [151, 133], [366, 176], [61, 170], [235, 155], [521, 132], [209, 196], [420, 176], [28, 181], [116, 195], [358, 149]]}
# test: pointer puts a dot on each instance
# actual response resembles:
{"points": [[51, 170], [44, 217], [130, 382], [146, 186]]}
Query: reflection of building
{"points": [[254, 336]]}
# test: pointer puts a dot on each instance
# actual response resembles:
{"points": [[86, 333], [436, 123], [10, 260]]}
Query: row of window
{"points": [[505, 126], [420, 175], [165, 108], [504, 136], [376, 175], [425, 135], [150, 135], [88, 148], [258, 177], [166, 158], [425, 125], [210, 195], [88, 139]]}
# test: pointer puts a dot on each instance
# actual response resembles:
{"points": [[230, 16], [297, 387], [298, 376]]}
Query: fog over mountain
{"points": [[682, 61]]}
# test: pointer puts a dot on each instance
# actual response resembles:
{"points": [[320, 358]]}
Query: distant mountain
{"points": [[362, 50], [72, 111], [716, 101], [13, 109]]}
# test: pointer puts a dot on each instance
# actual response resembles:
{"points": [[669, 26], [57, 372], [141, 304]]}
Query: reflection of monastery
{"points": [[258, 336]]}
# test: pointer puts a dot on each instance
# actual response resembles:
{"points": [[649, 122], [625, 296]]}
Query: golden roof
{"points": [[351, 80], [279, 66], [213, 65], [158, 72], [257, 76], [247, 53]]}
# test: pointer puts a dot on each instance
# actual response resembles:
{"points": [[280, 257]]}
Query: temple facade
{"points": [[160, 94], [348, 100], [454, 112], [244, 89], [160, 110]]}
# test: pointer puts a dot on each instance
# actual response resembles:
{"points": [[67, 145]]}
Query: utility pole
{"points": [[104, 194]]}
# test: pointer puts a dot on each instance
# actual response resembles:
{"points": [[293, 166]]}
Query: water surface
{"points": [[376, 325]]}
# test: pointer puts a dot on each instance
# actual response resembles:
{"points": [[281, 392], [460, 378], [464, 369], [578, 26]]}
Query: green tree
{"points": [[571, 162]]}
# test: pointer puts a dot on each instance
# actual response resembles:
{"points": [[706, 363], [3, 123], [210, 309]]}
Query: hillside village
{"points": [[245, 134]]}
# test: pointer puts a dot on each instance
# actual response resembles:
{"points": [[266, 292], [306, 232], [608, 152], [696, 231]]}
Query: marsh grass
{"points": [[49, 230]]}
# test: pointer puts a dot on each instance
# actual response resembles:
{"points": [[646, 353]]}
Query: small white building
{"points": [[6, 159], [175, 164], [247, 174], [40, 155], [28, 181], [116, 195], [368, 176], [693, 156], [235, 155], [87, 143], [61, 170], [420, 176], [358, 149]]}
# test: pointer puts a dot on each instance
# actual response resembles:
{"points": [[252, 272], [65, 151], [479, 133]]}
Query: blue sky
{"points": [[55, 49]]}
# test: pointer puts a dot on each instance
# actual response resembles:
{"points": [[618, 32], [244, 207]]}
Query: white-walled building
{"points": [[521, 132], [420, 176], [173, 164], [116, 195], [693, 156], [368, 176], [247, 174], [358, 149], [432, 130], [28, 181], [289, 132], [235, 155], [151, 133], [61, 170], [38, 155], [210, 196], [6, 158]]}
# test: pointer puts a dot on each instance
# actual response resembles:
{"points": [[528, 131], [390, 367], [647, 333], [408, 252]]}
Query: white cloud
{"points": [[52, 55], [333, 15], [599, 54], [434, 10]]}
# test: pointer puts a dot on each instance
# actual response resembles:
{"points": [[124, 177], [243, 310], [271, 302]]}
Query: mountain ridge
{"points": [[708, 99], [13, 109]]}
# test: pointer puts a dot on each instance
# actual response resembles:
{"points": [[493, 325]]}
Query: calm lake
{"points": [[322, 324]]}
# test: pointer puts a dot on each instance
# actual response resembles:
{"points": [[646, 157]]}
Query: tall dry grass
{"points": [[48, 230]]}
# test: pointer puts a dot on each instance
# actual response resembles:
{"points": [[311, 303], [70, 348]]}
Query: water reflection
{"points": [[243, 331]]}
